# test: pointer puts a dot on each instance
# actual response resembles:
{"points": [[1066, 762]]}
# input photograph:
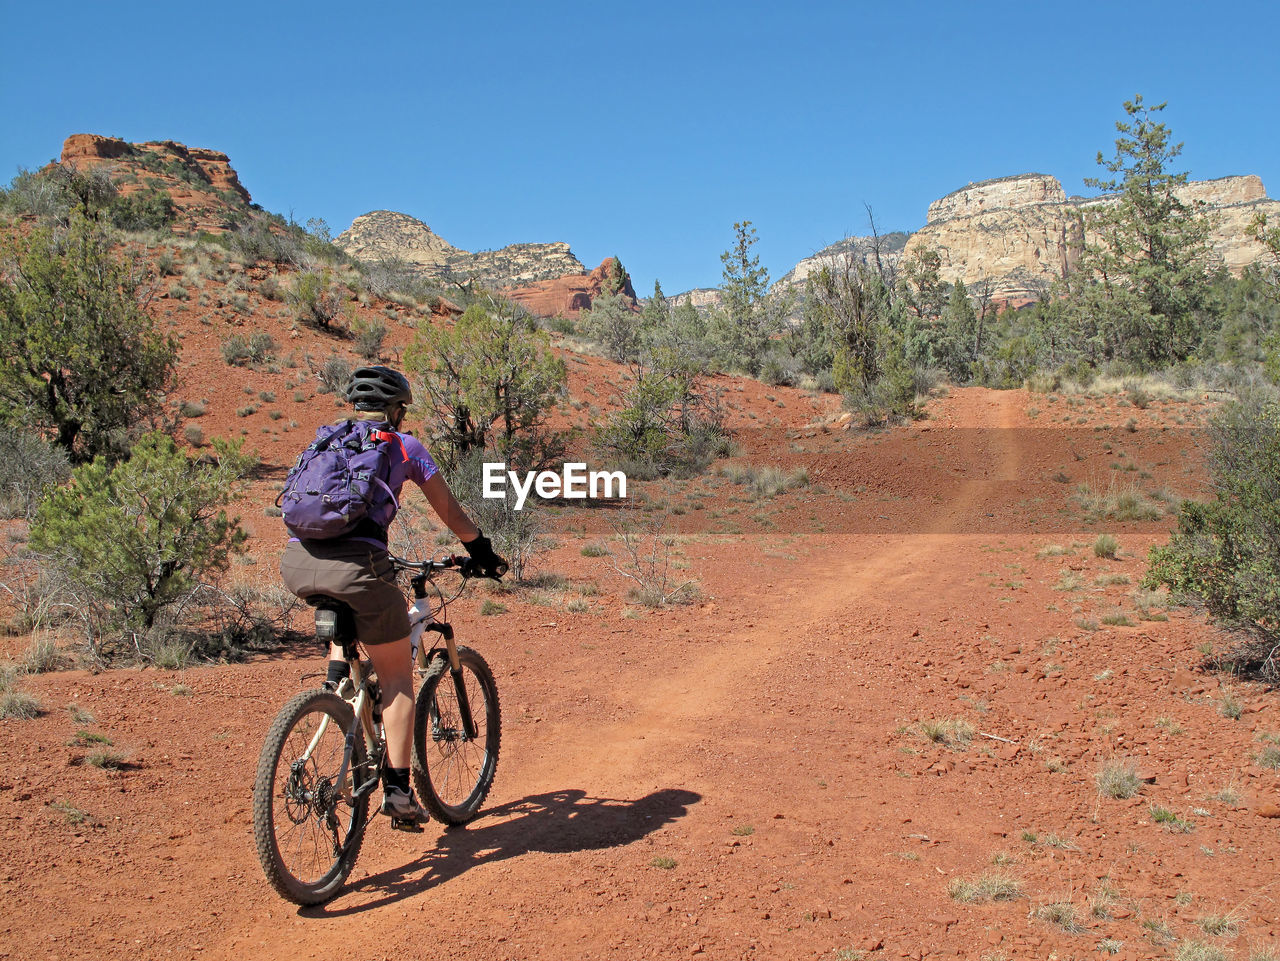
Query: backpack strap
{"points": [[387, 436]]}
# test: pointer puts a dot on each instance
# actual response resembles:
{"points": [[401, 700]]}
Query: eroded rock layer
{"points": [[1018, 234]]}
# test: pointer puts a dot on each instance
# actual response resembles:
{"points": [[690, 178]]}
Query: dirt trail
{"points": [[687, 727]]}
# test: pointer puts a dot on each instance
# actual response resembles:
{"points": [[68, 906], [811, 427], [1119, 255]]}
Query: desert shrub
{"points": [[1118, 503], [491, 381], [995, 886], [18, 705], [643, 552], [53, 193], [254, 351], [42, 656], [1105, 546], [317, 301], [369, 335], [1223, 553], [143, 210], [668, 419], [766, 481], [193, 435], [235, 350], [135, 538], [518, 535], [256, 240], [1118, 780], [166, 263], [334, 374], [29, 466], [616, 326]]}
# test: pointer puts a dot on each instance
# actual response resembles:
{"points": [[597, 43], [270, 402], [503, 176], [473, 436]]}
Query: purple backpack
{"points": [[338, 481]]}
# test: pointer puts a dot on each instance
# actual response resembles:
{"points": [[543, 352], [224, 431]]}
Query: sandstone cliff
{"points": [[571, 294], [1020, 233], [385, 234], [205, 190]]}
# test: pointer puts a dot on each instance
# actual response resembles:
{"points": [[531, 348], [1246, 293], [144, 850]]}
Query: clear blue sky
{"points": [[641, 130]]}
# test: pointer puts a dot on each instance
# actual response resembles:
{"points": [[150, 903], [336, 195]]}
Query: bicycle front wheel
{"points": [[453, 772], [308, 824]]}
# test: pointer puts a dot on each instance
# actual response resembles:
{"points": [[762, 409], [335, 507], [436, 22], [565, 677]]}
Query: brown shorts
{"points": [[358, 573]]}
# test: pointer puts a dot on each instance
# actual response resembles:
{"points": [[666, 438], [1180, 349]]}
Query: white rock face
{"points": [[1019, 234], [384, 234], [1003, 193]]}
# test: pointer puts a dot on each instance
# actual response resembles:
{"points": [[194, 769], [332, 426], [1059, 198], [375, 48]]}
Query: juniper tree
{"points": [[78, 354]]}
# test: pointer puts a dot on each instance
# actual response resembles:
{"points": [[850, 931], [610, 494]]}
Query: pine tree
{"points": [[1148, 255], [745, 322]]}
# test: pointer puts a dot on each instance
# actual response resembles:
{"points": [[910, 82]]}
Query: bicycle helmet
{"points": [[378, 388]]}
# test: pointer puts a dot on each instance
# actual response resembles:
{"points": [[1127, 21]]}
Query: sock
{"points": [[396, 777], [338, 671]]}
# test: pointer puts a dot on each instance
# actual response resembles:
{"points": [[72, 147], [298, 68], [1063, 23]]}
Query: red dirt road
{"points": [[766, 741]]}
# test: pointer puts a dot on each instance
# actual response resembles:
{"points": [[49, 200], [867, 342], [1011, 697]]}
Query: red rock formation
{"points": [[570, 295], [204, 187]]}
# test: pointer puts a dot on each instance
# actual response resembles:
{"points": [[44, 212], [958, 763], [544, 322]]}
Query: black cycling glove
{"points": [[486, 562]]}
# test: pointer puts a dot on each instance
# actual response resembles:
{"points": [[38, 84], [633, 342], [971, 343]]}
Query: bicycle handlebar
{"points": [[460, 562]]}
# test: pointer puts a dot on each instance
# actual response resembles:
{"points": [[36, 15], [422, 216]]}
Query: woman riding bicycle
{"points": [[357, 570]]}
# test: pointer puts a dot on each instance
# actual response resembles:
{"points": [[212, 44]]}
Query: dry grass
{"points": [[955, 733], [993, 886], [1119, 503], [1119, 780], [1059, 913]]}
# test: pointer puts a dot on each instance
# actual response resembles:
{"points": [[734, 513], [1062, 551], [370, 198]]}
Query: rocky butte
{"points": [[201, 183], [1021, 233], [546, 278]]}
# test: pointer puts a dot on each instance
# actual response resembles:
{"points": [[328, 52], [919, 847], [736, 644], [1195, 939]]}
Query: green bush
{"points": [[254, 351], [144, 210], [316, 300], [78, 355], [132, 539], [1224, 551]]}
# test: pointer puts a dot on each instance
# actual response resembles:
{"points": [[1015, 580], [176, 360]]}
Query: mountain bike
{"points": [[325, 750]]}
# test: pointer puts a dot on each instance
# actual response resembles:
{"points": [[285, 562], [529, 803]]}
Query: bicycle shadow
{"points": [[559, 822]]}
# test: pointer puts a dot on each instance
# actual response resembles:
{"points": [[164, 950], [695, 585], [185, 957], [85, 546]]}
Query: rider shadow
{"points": [[556, 823]]}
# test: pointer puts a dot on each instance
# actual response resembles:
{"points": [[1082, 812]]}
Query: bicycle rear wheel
{"points": [[452, 772], [308, 827]]}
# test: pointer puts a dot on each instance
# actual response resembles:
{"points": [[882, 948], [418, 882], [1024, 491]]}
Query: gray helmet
{"points": [[378, 388]]}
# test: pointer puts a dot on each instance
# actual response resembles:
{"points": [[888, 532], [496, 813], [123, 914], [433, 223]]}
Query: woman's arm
{"points": [[447, 507]]}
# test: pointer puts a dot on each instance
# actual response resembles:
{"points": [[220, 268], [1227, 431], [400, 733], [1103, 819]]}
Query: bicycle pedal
{"points": [[406, 824]]}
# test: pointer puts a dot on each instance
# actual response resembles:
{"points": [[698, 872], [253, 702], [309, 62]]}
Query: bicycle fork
{"points": [[445, 630], [459, 683]]}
